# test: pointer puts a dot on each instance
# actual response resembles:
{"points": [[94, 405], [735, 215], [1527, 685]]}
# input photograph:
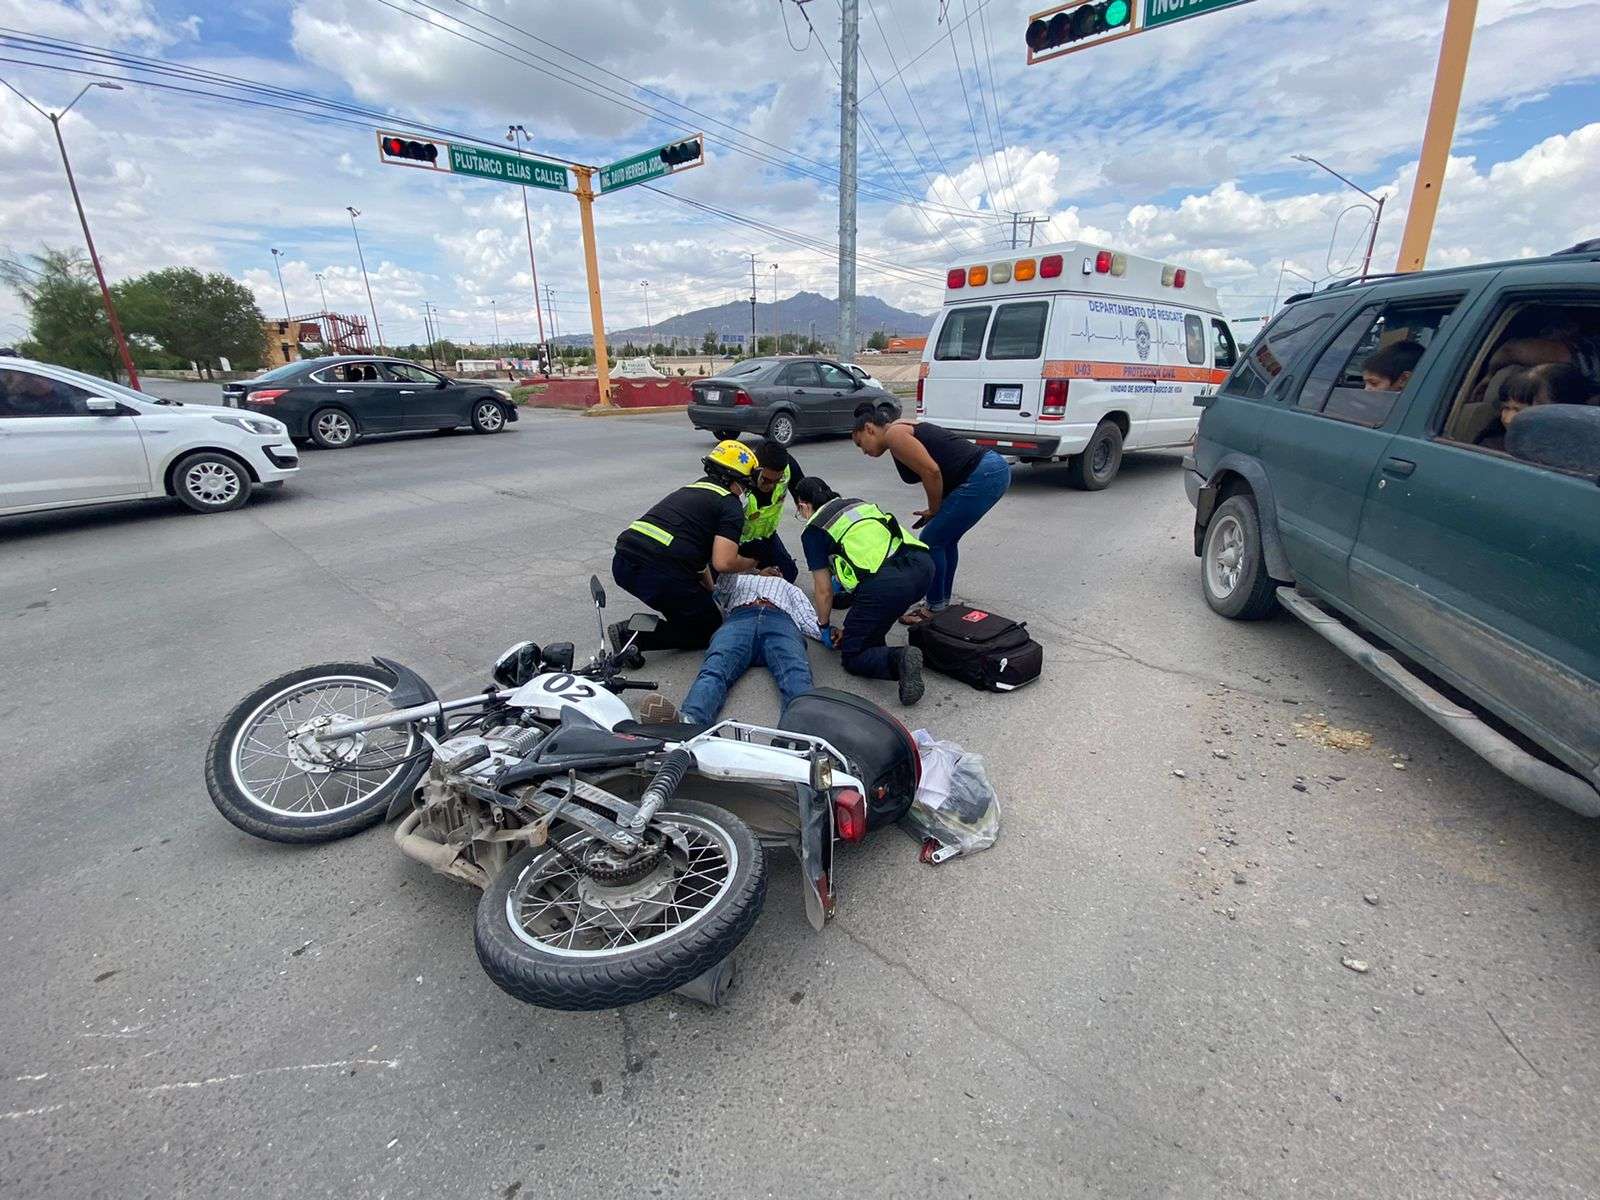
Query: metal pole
{"points": [[277, 262], [602, 364], [1441, 128], [649, 324], [848, 43], [94, 257], [322, 291], [777, 323], [494, 311], [377, 330], [753, 341], [1372, 240], [518, 132]]}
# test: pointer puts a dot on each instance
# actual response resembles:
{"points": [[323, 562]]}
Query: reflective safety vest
{"points": [[657, 534], [762, 520], [864, 537]]}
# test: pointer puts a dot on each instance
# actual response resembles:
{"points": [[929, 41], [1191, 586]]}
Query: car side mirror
{"points": [[596, 591], [643, 623], [856, 384], [101, 406], [443, 383], [559, 656]]}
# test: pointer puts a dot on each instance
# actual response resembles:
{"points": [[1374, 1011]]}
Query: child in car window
{"points": [[1514, 389], [1388, 369]]}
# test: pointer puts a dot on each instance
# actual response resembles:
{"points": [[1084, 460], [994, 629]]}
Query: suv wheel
{"points": [[488, 417], [1100, 461], [781, 430], [332, 428], [1233, 571], [208, 482]]}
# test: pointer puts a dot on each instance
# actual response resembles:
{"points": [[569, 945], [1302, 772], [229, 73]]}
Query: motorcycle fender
{"points": [[410, 690], [816, 855]]}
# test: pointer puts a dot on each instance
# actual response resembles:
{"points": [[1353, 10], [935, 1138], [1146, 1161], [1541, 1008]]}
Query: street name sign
{"points": [[653, 164], [1166, 12], [410, 150]]}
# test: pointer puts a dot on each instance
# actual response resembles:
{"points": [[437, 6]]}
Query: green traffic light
{"points": [[1116, 13]]}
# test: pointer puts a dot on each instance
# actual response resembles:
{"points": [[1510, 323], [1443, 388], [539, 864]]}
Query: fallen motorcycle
{"points": [[618, 861]]}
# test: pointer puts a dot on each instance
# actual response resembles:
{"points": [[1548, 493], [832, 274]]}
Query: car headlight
{"points": [[503, 394], [255, 425]]}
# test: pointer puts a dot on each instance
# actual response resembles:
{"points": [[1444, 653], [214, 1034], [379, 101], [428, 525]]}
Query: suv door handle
{"points": [[1398, 466], [407, 392], [343, 391]]}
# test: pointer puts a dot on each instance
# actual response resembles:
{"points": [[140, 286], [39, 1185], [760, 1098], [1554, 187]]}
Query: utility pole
{"points": [[1436, 138], [88, 239], [377, 330], [648, 323], [555, 326], [321, 291], [277, 262], [602, 364], [849, 40], [516, 133], [427, 328], [753, 342], [494, 310], [777, 324]]}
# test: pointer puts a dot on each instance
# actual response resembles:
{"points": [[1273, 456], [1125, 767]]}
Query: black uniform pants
{"points": [[674, 592], [878, 602]]}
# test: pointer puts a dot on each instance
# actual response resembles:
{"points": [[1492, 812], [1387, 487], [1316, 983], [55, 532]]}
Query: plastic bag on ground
{"points": [[955, 810]]}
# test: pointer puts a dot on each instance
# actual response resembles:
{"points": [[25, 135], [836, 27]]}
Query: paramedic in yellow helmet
{"points": [[666, 557]]}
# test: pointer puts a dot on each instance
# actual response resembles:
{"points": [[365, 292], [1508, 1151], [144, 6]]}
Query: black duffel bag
{"points": [[990, 652]]}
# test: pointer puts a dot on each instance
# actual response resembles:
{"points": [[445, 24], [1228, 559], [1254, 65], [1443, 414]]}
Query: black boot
{"points": [[633, 658], [908, 671]]}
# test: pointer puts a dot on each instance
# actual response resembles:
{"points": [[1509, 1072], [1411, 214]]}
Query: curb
{"points": [[615, 411]]}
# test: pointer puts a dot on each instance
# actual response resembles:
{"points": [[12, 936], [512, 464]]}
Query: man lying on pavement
{"points": [[765, 621]]}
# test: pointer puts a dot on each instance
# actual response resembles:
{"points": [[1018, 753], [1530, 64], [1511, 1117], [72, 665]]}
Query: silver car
{"points": [[68, 439]]}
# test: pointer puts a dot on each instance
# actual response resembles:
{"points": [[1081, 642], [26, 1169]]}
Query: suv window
{"points": [[1224, 352], [798, 375], [1390, 338], [1280, 343], [961, 335], [24, 394], [411, 373], [1018, 330], [836, 377]]}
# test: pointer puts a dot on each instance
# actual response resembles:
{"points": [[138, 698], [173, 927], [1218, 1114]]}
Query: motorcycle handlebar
{"points": [[636, 685]]}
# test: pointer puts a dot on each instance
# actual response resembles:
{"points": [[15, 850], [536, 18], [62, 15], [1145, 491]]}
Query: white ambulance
{"points": [[1073, 352]]}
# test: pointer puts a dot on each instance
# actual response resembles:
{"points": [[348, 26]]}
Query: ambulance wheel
{"points": [[1100, 461]]}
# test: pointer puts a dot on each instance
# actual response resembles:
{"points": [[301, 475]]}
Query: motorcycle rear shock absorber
{"points": [[663, 787]]}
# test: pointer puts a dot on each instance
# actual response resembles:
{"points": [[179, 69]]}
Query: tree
{"points": [[199, 318], [66, 317], [708, 344], [878, 341]]}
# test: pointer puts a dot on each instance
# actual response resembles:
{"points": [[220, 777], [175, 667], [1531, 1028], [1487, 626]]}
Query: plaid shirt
{"points": [[736, 591]]}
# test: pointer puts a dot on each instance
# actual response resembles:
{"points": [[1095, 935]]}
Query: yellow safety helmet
{"points": [[731, 459]]}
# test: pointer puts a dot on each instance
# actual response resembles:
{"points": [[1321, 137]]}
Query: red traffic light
{"points": [[423, 152]]}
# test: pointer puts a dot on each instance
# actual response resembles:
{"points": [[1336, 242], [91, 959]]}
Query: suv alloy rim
{"points": [[1225, 557]]}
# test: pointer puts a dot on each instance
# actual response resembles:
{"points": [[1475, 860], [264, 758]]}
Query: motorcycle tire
{"points": [[592, 981], [231, 793]]}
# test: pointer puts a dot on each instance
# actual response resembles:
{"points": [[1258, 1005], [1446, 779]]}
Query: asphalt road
{"points": [[1137, 993]]}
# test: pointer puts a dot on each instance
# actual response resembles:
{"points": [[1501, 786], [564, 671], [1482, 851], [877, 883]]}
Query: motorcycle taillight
{"points": [[849, 814]]}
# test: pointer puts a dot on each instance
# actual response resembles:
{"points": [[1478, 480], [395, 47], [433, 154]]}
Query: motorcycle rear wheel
{"points": [[547, 943], [258, 783]]}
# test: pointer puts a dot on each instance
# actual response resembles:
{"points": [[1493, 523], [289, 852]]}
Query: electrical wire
{"points": [[972, 124], [1002, 167], [930, 47]]}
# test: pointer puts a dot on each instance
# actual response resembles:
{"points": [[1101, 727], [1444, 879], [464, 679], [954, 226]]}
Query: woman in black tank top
{"points": [[962, 481]]}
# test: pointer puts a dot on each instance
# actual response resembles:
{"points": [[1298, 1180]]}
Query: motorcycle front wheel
{"points": [[551, 933], [266, 785]]}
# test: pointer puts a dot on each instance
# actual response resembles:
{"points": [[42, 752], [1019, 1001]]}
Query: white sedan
{"points": [[69, 439], [864, 375]]}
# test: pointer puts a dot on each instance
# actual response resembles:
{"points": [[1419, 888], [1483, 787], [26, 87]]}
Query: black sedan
{"points": [[334, 401], [781, 398]]}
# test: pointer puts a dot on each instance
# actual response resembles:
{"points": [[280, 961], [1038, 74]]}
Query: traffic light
{"points": [[679, 153], [409, 151], [1074, 26]]}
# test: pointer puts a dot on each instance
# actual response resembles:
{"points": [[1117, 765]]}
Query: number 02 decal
{"points": [[568, 688]]}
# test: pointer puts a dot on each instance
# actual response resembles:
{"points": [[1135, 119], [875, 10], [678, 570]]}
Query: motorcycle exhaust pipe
{"points": [[436, 856]]}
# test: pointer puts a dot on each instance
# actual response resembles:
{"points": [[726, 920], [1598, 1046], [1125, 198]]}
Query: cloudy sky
{"points": [[1176, 143]]}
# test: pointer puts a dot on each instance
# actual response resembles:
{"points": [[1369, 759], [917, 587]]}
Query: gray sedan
{"points": [[781, 398]]}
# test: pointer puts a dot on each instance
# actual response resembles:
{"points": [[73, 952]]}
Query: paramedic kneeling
{"points": [[883, 568], [665, 557]]}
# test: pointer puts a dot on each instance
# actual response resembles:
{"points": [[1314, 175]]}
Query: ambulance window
{"points": [[1226, 352], [1194, 338], [961, 335], [1018, 330]]}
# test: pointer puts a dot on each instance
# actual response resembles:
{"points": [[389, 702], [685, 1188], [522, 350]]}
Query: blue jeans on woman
{"points": [[959, 512], [755, 635]]}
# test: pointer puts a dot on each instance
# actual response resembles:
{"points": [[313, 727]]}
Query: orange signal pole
{"points": [[584, 193], [1440, 131]]}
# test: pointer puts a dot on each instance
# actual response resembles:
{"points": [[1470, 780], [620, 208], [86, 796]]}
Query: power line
{"points": [[933, 45], [961, 76], [994, 95]]}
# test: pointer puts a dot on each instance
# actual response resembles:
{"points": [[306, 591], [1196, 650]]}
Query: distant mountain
{"points": [[796, 314]]}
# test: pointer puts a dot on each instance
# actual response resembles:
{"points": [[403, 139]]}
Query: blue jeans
{"points": [[876, 605], [750, 636], [959, 512]]}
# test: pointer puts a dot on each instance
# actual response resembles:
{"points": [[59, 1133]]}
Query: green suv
{"points": [[1410, 464]]}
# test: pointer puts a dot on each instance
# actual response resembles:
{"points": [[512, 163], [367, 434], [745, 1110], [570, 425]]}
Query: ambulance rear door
{"points": [[951, 390], [1011, 388]]}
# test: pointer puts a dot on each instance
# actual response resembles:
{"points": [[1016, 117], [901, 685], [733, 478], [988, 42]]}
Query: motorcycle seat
{"points": [[671, 731], [577, 741]]}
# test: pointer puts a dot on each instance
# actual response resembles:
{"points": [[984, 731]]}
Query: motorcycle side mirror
{"points": [[598, 592], [643, 623], [559, 656], [517, 665]]}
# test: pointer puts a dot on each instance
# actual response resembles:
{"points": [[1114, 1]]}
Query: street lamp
{"points": [[1286, 269], [777, 324], [649, 324], [515, 134], [94, 257], [377, 330], [277, 261], [321, 291], [494, 309], [1378, 200]]}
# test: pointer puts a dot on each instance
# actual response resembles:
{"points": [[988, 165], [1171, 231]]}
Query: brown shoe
{"points": [[656, 709]]}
